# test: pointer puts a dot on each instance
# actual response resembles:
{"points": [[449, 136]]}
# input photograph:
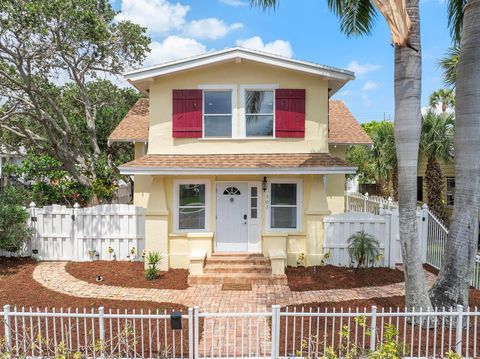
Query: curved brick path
{"points": [[54, 276]]}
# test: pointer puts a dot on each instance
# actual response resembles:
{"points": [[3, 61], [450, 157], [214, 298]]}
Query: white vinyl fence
{"points": [[113, 231], [270, 333], [432, 231]]}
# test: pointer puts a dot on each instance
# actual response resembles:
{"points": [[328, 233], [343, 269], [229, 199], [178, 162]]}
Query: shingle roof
{"points": [[134, 126], [236, 162], [343, 127]]}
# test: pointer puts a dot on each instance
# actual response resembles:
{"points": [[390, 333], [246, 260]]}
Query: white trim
{"points": [[176, 192], [220, 87], [242, 114], [226, 171], [238, 53], [299, 183]]}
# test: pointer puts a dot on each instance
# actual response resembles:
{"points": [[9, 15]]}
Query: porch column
{"points": [[156, 221], [317, 208]]}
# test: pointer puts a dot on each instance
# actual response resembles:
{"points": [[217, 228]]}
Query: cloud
{"points": [[370, 85], [235, 3], [366, 100], [158, 16], [345, 93], [278, 47], [173, 48], [210, 28], [361, 69]]}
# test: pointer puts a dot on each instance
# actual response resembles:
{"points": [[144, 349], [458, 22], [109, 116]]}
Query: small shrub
{"points": [[152, 260], [14, 230], [363, 248]]}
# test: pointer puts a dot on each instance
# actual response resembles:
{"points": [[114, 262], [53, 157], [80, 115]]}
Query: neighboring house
{"points": [[8, 156], [238, 151]]}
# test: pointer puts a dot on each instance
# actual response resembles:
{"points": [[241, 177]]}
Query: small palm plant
{"points": [[363, 248], [152, 260]]}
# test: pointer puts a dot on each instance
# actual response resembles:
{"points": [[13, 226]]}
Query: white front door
{"points": [[232, 217]]}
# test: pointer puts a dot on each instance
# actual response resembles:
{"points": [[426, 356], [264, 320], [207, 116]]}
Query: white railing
{"points": [[274, 333], [108, 232], [357, 202]]}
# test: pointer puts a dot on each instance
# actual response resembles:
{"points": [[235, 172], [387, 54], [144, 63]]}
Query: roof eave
{"points": [[127, 170]]}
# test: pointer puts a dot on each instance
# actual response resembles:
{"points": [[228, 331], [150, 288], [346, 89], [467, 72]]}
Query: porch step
{"points": [[237, 268], [235, 278]]}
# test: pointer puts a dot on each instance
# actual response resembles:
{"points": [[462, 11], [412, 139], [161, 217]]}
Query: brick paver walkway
{"points": [[211, 298]]}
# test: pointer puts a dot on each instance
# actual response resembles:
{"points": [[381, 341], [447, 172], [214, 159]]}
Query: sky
{"points": [[301, 29]]}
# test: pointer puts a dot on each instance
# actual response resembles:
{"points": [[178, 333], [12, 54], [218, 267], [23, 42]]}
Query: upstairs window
{"points": [[259, 112], [217, 113]]}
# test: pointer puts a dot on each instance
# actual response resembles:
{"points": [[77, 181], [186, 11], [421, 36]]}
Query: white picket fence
{"points": [[432, 231], [113, 231], [268, 333]]}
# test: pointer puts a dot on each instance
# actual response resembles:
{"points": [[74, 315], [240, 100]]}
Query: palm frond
{"points": [[437, 136], [455, 19], [448, 64], [265, 4], [357, 17]]}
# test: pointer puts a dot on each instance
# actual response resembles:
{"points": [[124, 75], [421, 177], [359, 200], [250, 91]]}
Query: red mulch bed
{"points": [[18, 288], [292, 343], [331, 277], [127, 274]]}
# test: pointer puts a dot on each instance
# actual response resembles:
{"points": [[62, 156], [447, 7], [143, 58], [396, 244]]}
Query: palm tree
{"points": [[402, 16], [444, 97], [385, 158], [436, 144], [448, 64], [451, 287]]}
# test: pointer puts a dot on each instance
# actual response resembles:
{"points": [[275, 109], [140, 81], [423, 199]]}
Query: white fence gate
{"points": [[107, 232]]}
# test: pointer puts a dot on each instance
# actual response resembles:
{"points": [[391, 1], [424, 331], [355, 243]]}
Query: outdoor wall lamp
{"points": [[264, 184]]}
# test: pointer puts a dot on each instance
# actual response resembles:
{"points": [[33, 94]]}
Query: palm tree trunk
{"points": [[451, 287], [407, 137], [435, 185]]}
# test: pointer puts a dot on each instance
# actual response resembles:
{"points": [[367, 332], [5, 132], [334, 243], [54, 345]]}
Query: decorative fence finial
{"points": [[76, 205], [32, 205]]}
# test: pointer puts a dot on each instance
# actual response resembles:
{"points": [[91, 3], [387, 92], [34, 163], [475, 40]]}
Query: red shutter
{"points": [[187, 113], [290, 113]]}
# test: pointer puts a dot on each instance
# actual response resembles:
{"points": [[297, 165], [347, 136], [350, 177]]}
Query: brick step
{"points": [[237, 259], [235, 278], [236, 254], [238, 268]]}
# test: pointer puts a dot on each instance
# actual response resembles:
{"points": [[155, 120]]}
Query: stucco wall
{"points": [[244, 73]]}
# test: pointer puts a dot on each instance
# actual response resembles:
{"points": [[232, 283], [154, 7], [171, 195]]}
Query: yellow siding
{"points": [[244, 73]]}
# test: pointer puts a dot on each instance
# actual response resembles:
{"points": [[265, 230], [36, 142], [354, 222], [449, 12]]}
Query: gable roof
{"points": [[141, 78], [343, 127]]}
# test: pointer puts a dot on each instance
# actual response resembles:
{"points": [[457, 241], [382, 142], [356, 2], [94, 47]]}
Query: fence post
{"points": [[101, 327], [365, 198], [459, 330], [76, 206], [424, 232], [8, 334], [196, 334], [389, 203], [190, 333], [347, 199], [373, 328], [33, 221], [275, 331]]}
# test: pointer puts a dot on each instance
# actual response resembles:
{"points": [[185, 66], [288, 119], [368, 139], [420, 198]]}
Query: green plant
{"points": [[152, 260], [363, 248], [14, 230]]}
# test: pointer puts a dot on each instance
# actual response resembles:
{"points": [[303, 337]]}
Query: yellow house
{"points": [[238, 153]]}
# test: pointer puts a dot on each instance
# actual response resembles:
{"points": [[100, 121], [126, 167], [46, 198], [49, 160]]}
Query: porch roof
{"points": [[254, 163]]}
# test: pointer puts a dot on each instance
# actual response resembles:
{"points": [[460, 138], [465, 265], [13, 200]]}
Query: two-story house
{"points": [[236, 152]]}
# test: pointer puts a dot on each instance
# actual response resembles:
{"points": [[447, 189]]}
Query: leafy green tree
{"points": [[443, 97], [436, 144], [403, 20], [50, 51], [14, 231]]}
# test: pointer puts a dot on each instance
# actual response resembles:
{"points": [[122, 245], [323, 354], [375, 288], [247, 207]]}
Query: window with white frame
{"points": [[217, 113], [192, 206], [285, 198], [259, 112], [450, 191]]}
